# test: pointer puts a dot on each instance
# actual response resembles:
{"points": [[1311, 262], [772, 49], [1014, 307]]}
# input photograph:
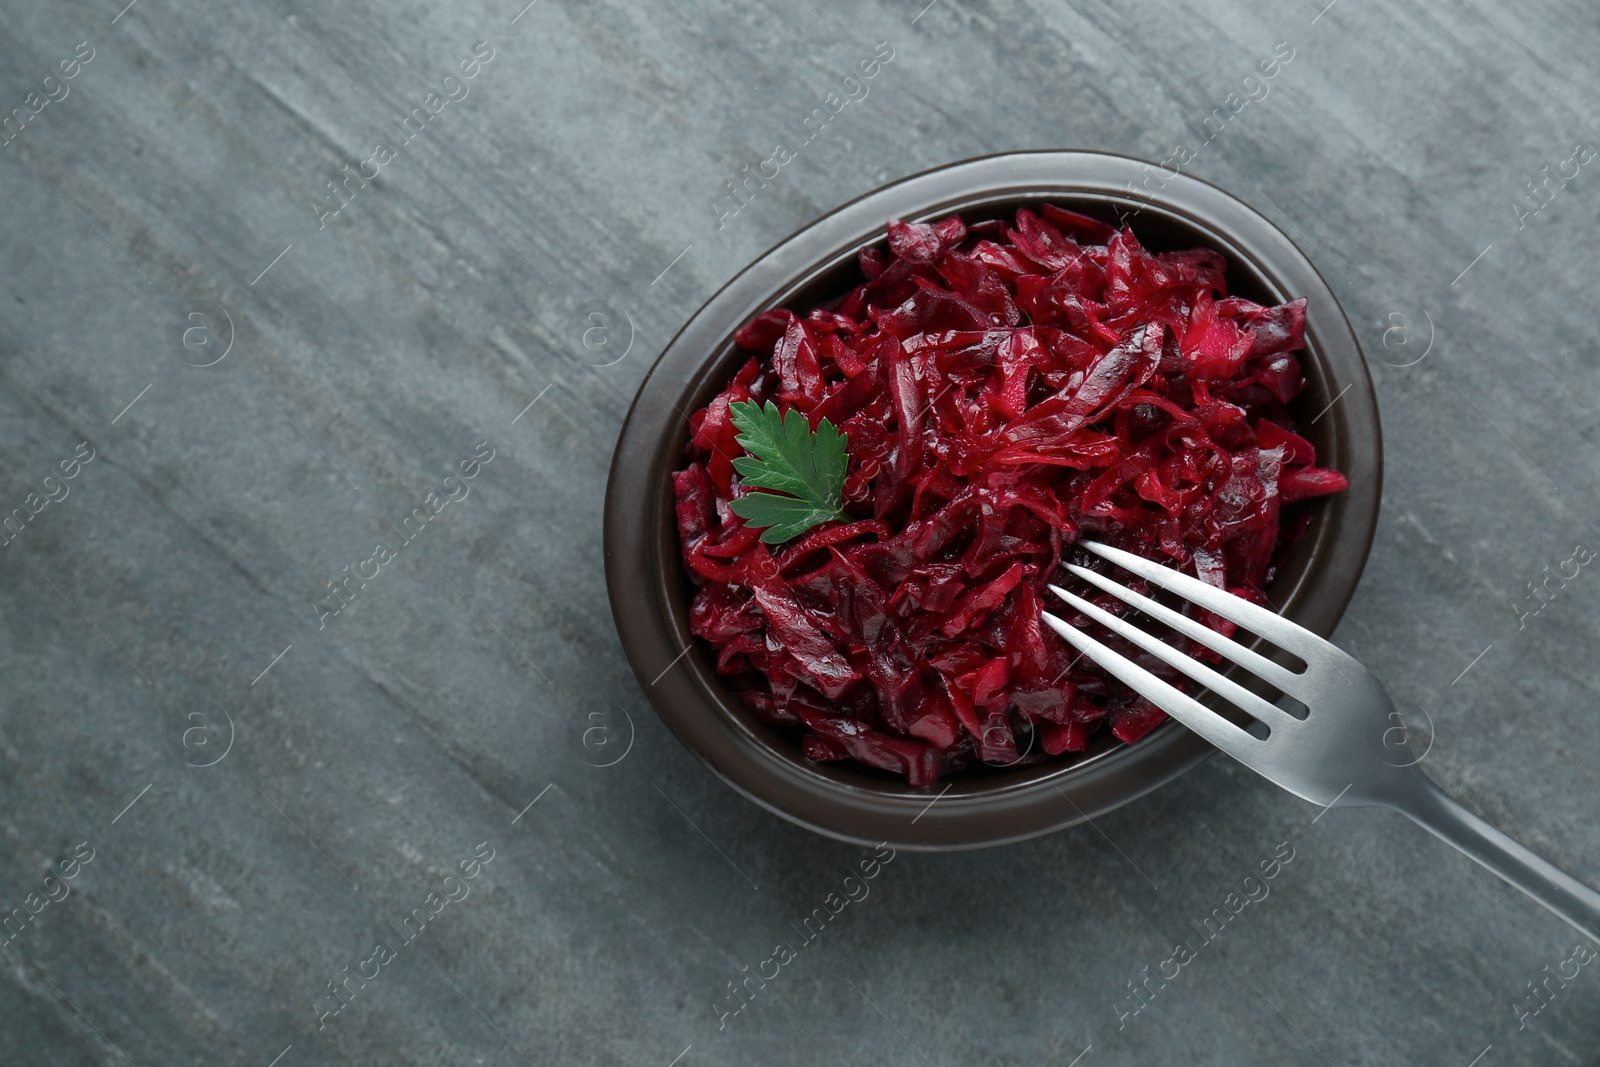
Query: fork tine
{"points": [[1277, 675], [1258, 620], [1224, 687], [1187, 710]]}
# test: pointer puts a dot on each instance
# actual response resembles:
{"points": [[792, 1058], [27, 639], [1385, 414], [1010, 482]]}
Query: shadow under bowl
{"points": [[650, 592]]}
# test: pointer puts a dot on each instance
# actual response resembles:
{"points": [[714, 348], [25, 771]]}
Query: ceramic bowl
{"points": [[650, 592]]}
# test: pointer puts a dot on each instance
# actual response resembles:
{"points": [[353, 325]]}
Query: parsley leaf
{"points": [[787, 457]]}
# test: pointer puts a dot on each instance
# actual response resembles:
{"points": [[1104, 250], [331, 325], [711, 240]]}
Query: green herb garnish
{"points": [[787, 457]]}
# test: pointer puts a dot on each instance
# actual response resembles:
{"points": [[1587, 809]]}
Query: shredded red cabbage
{"points": [[1006, 389]]}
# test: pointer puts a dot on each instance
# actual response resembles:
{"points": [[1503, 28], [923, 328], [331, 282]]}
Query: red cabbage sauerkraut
{"points": [[1006, 387]]}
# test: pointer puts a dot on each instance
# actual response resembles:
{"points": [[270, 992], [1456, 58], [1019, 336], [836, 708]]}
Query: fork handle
{"points": [[1435, 810]]}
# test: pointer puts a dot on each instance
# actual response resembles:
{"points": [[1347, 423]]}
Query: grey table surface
{"points": [[265, 795]]}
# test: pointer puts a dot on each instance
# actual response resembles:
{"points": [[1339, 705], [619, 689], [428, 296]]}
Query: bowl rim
{"points": [[644, 573]]}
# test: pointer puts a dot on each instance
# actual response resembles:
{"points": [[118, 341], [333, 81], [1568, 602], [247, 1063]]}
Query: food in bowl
{"points": [[871, 509]]}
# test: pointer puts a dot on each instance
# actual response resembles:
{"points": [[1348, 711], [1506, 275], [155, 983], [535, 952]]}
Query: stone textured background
{"points": [[576, 180]]}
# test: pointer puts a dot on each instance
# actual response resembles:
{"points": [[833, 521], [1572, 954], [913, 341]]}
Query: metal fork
{"points": [[1333, 756]]}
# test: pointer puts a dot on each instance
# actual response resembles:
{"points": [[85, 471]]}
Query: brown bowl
{"points": [[650, 592]]}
